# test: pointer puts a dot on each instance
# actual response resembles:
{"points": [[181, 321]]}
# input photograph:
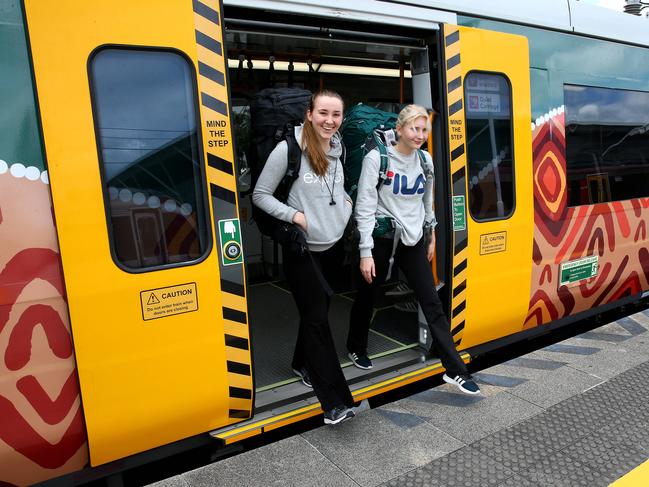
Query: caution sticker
{"points": [[168, 301], [491, 243]]}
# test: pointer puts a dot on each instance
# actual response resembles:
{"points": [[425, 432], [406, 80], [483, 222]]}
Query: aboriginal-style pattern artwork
{"points": [[42, 432], [616, 232]]}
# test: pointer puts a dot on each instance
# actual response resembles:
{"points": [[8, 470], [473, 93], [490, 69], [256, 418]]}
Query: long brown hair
{"points": [[310, 142]]}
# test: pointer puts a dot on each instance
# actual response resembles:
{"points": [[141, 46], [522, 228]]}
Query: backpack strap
{"points": [[293, 166], [384, 160], [428, 172], [424, 166]]}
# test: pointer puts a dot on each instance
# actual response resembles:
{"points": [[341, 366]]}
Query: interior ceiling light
{"points": [[325, 68]]}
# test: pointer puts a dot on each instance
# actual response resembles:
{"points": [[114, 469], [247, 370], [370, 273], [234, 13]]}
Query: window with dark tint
{"points": [[489, 145], [607, 144], [145, 116]]}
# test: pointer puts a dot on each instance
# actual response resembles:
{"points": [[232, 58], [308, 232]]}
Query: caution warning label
{"points": [[168, 301], [491, 243]]}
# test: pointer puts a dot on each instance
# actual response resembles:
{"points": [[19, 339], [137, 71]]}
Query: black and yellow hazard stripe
{"points": [[455, 99], [219, 154]]}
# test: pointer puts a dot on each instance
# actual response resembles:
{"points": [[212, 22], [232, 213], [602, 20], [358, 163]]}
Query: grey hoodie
{"points": [[407, 197], [310, 194]]}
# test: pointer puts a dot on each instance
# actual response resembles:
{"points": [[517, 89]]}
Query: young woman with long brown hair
{"points": [[318, 205]]}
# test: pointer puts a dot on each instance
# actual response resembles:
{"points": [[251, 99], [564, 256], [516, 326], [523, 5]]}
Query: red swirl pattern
{"points": [[615, 232], [42, 431]]}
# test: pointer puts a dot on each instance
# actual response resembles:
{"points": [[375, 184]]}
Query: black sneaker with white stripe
{"points": [[304, 375], [338, 415], [360, 360], [463, 382]]}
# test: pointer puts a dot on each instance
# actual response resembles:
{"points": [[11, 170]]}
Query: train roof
{"points": [[561, 15]]}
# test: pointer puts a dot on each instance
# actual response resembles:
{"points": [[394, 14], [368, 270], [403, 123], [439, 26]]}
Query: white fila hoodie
{"points": [[406, 196]]}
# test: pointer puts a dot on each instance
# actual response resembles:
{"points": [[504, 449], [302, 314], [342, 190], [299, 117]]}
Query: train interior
{"points": [[385, 69]]}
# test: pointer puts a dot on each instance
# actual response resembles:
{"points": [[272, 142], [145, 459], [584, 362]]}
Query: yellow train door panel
{"points": [[135, 117], [488, 110]]}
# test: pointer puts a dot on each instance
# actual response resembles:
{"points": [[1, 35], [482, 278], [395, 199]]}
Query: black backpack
{"points": [[274, 113]]}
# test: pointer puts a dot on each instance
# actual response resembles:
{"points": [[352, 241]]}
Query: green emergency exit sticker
{"points": [[578, 270], [230, 238], [459, 213]]}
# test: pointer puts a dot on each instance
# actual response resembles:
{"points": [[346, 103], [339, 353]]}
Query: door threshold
{"points": [[278, 415], [295, 391]]}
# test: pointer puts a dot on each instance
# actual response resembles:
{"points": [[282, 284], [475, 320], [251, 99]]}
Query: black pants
{"points": [[314, 348], [415, 266]]}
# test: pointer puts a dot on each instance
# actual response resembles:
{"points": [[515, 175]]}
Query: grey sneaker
{"points": [[360, 360], [338, 415], [463, 382]]}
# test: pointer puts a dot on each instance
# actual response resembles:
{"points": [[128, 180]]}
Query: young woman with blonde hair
{"points": [[403, 204]]}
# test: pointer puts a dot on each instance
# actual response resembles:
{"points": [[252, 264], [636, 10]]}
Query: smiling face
{"points": [[326, 116], [413, 134]]}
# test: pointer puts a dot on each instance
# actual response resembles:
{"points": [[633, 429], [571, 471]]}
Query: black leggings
{"points": [[415, 266], [314, 348]]}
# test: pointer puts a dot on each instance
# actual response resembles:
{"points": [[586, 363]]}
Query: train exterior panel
{"points": [[112, 345], [143, 336], [42, 430], [614, 231], [483, 273]]}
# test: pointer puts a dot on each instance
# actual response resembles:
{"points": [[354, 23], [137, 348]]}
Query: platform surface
{"points": [[573, 413]]}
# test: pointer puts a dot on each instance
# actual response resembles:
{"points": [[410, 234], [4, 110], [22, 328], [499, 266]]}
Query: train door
{"points": [[380, 66], [489, 148], [135, 119]]}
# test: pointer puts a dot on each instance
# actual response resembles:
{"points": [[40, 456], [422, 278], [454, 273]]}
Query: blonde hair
{"points": [[411, 113], [310, 144]]}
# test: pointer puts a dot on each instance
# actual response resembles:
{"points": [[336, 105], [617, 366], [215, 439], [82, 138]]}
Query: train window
{"points": [[607, 144], [490, 145], [149, 151]]}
